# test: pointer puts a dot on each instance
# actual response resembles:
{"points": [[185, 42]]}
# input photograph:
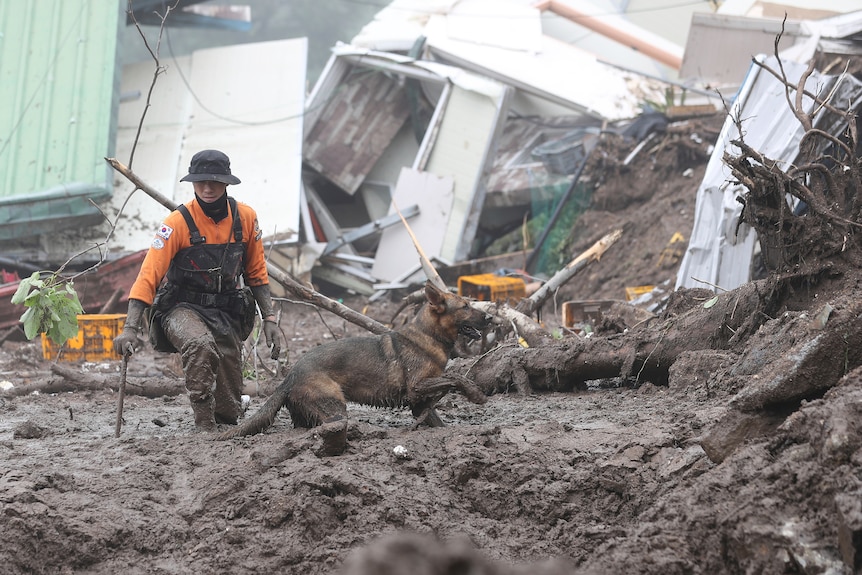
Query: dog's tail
{"points": [[265, 416]]}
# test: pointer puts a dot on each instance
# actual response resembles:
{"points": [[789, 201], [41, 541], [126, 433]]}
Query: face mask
{"points": [[217, 210]]}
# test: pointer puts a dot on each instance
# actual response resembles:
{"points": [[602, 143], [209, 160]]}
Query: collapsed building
{"points": [[465, 132]]}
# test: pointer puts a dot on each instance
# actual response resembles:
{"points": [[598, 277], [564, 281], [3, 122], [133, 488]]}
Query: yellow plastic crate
{"points": [[490, 287], [637, 291], [94, 341]]}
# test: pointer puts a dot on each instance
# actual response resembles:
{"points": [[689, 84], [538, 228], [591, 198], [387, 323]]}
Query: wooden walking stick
{"points": [[123, 370]]}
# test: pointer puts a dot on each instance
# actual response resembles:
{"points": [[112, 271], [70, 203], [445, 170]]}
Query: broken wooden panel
{"points": [[358, 122], [435, 196], [327, 83], [465, 147]]}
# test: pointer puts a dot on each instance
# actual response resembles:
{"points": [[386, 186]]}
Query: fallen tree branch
{"points": [[533, 334], [308, 294], [529, 305]]}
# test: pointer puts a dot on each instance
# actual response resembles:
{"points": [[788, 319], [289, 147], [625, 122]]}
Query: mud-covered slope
{"points": [[619, 478]]}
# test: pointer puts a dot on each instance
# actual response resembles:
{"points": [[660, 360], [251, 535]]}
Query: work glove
{"points": [[271, 333], [263, 297], [130, 340]]}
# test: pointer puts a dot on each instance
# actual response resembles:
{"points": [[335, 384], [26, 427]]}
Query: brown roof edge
{"points": [[597, 25]]}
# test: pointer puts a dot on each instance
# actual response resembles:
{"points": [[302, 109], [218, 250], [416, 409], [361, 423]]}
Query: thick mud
{"points": [[623, 477]]}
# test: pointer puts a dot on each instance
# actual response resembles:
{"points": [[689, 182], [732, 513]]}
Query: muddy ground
{"points": [[609, 479]]}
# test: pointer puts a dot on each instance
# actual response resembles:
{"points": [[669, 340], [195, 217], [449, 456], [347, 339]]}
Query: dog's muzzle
{"points": [[472, 331]]}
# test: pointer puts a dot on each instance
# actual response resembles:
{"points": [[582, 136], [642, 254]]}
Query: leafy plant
{"points": [[52, 307], [670, 98]]}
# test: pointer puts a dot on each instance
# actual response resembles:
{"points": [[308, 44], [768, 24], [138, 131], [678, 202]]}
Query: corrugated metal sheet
{"points": [[58, 88], [739, 39]]}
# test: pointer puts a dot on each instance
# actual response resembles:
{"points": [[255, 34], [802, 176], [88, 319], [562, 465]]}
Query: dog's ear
{"points": [[434, 296]]}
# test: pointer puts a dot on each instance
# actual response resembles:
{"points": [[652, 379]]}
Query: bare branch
{"points": [[821, 105], [113, 225], [158, 70], [814, 97], [827, 136], [815, 167]]}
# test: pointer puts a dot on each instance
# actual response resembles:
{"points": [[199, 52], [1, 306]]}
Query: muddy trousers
{"points": [[212, 364]]}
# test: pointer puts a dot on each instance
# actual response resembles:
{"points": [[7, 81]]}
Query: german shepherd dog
{"points": [[394, 369]]}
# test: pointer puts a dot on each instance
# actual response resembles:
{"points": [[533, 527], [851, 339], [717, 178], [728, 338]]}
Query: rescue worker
{"points": [[201, 251]]}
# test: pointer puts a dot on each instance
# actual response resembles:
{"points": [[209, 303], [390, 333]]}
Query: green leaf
{"points": [[53, 307], [710, 303], [76, 303], [24, 288], [33, 322], [61, 332]]}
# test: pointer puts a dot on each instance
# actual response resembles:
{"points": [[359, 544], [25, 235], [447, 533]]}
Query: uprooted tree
{"points": [[806, 218]]}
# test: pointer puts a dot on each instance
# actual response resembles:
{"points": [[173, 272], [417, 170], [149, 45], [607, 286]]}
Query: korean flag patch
{"points": [[258, 233], [165, 231]]}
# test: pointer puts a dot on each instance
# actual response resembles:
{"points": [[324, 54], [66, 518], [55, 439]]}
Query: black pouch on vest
{"points": [[166, 298]]}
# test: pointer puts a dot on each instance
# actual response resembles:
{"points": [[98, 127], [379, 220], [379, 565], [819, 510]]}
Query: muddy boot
{"points": [[334, 435], [227, 406], [204, 418]]}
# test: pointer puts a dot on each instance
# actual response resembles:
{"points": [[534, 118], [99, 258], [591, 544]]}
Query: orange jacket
{"points": [[173, 235]]}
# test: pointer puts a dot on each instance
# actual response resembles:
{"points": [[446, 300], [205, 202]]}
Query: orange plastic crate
{"points": [[490, 287], [577, 313], [94, 341]]}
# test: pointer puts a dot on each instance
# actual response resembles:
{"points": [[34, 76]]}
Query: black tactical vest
{"points": [[202, 271]]}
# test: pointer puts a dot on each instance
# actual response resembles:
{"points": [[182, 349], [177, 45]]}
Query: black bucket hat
{"points": [[210, 165]]}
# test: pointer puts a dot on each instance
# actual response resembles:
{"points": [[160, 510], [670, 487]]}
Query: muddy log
{"points": [[69, 379], [723, 322]]}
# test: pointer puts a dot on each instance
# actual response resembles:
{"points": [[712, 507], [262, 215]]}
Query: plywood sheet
{"points": [[434, 195]]}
